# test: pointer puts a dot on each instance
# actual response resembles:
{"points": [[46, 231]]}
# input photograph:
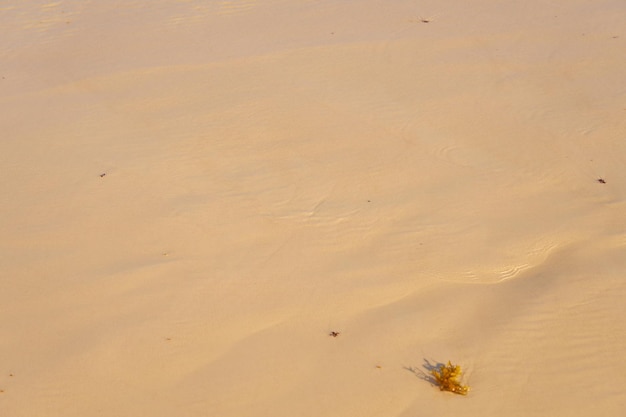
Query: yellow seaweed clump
{"points": [[447, 378]]}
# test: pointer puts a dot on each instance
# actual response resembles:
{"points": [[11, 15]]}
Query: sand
{"points": [[195, 194]]}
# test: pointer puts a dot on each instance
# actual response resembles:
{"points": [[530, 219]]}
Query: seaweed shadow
{"points": [[426, 376]]}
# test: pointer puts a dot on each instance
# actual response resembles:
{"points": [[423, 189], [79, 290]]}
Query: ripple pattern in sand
{"points": [[502, 265], [236, 6]]}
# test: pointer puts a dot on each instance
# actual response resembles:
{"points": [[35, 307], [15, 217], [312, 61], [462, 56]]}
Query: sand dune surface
{"points": [[195, 194]]}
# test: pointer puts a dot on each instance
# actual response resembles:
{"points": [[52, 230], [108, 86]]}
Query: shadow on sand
{"points": [[429, 367]]}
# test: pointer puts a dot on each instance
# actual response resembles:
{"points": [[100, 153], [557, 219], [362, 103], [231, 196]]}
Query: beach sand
{"points": [[196, 194]]}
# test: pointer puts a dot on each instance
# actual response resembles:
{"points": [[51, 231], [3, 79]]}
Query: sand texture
{"points": [[195, 194]]}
